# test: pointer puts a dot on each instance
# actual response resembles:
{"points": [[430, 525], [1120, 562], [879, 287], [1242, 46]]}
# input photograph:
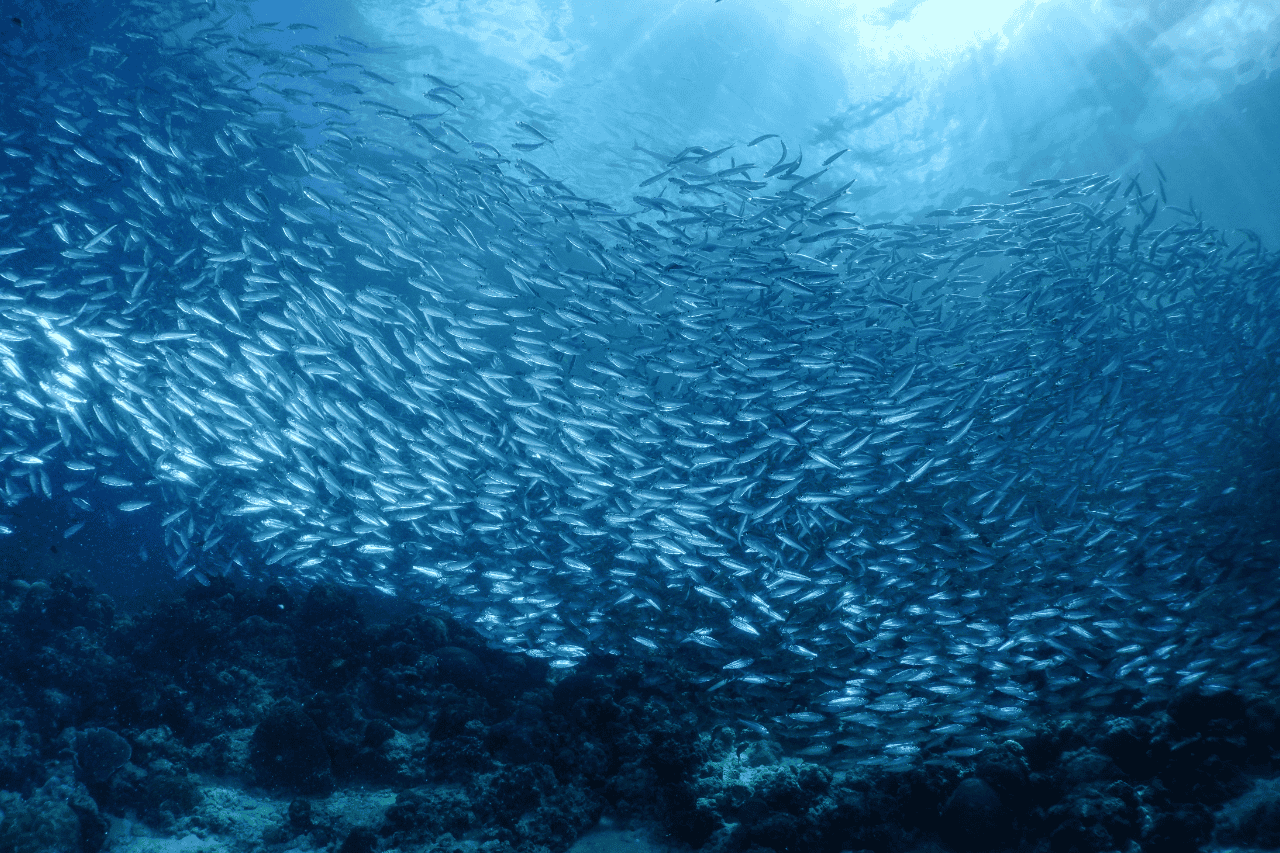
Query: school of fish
{"points": [[896, 486]]}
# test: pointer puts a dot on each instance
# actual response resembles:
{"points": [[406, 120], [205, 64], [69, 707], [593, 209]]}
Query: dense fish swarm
{"points": [[893, 482]]}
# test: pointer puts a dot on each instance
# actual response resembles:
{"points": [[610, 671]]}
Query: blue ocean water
{"points": [[902, 373], [938, 103]]}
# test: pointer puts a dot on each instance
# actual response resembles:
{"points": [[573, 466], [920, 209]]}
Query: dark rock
{"points": [[1043, 747], [160, 794], [1128, 742], [1181, 830], [459, 713], [458, 758], [378, 732], [574, 686], [431, 631], [565, 813], [589, 761], [56, 817], [20, 760], [1208, 713], [327, 605], [1005, 770], [276, 600], [1203, 770], [332, 640], [420, 814], [508, 676], [515, 790], [37, 824], [523, 737], [362, 839], [782, 833], [54, 710], [93, 826], [300, 816], [1263, 731], [101, 752], [287, 750], [1086, 766], [404, 694], [693, 820], [1253, 820], [975, 819], [916, 797], [673, 752], [1094, 819], [460, 667]]}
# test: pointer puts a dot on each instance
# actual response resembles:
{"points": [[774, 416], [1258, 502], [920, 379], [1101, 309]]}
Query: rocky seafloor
{"points": [[229, 718]]}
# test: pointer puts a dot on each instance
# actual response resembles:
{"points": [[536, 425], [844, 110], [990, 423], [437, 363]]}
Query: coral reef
{"points": [[305, 699]]}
